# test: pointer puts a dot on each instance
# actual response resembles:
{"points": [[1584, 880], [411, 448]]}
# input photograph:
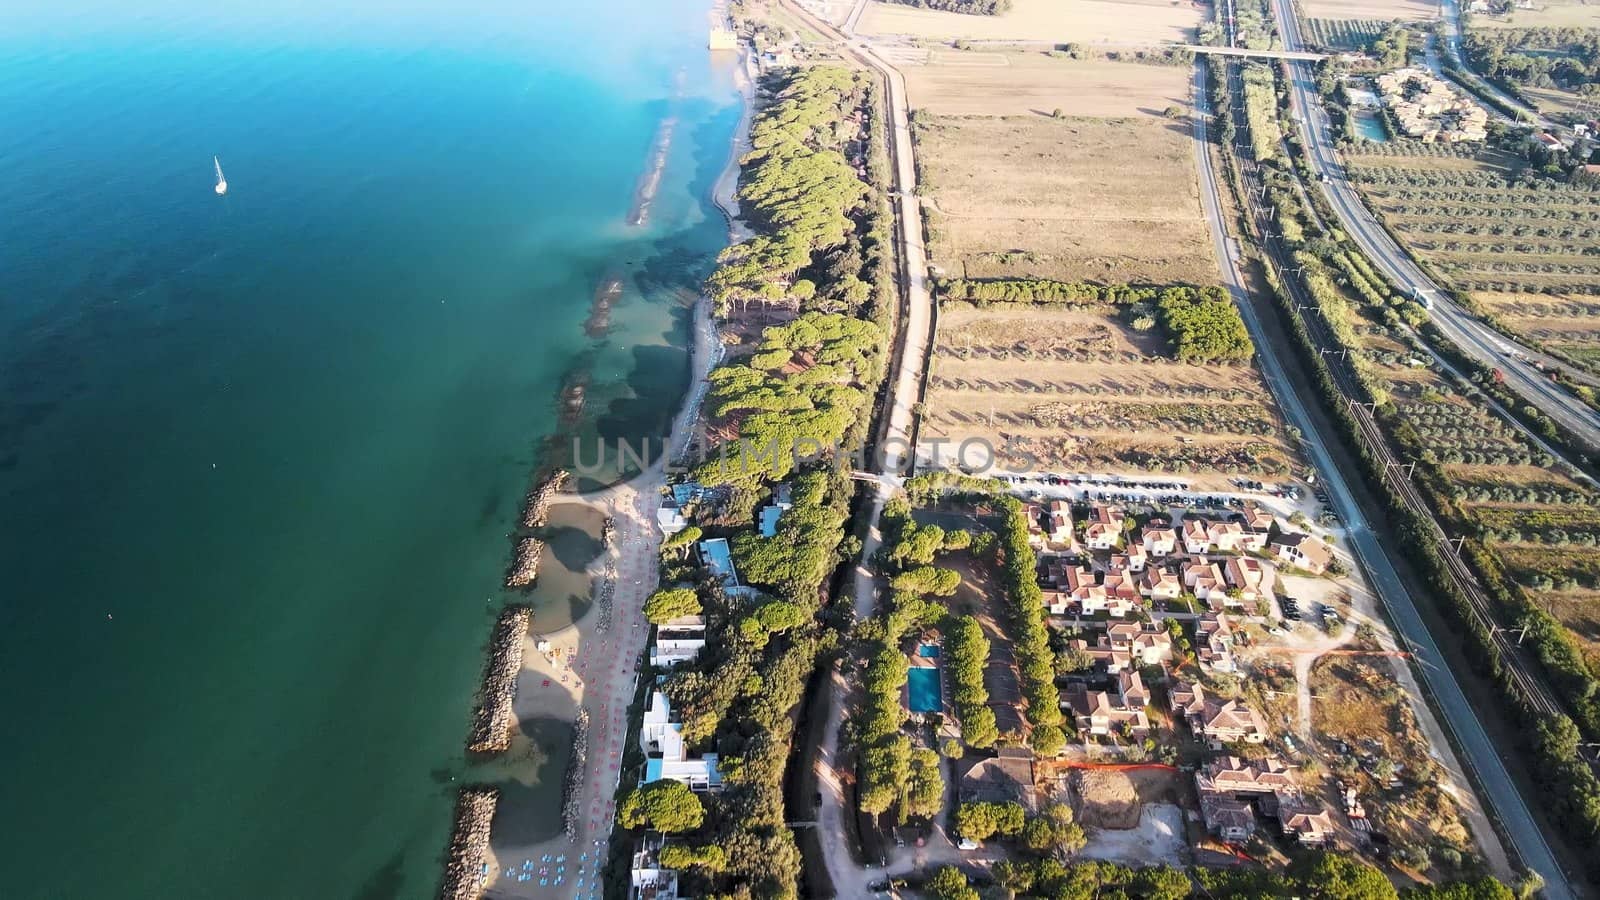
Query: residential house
{"points": [[1034, 515], [1058, 603], [1256, 519], [1006, 777], [1103, 654], [1214, 642], [1230, 721], [666, 756], [1146, 643], [1203, 577], [1122, 592], [1104, 713], [1196, 534], [1133, 560], [1306, 822], [1160, 584], [1187, 701], [1059, 517], [1159, 542], [1104, 531], [678, 640], [1228, 786], [1250, 577], [1303, 551]]}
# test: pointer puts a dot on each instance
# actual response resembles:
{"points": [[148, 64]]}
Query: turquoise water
{"points": [[928, 651], [1370, 127], [259, 453], [924, 692]]}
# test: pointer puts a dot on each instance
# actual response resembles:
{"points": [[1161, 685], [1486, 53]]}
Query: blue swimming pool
{"points": [[928, 651], [925, 693]]}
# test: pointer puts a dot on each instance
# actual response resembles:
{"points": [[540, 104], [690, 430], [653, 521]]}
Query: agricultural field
{"points": [[1040, 197], [1082, 389], [1045, 21], [1380, 10], [969, 83], [1344, 34], [1480, 229]]}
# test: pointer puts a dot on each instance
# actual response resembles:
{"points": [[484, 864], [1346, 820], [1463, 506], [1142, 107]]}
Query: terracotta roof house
{"points": [[1232, 721], [1196, 534], [1057, 602], [1186, 699], [1100, 712], [1202, 577], [1214, 639], [1309, 825], [1123, 586], [1133, 560], [1060, 518], [1150, 644], [1159, 584], [1251, 577], [1227, 818], [1033, 515], [1256, 519], [1159, 541], [1112, 659], [1233, 774], [1302, 551], [1104, 531]]}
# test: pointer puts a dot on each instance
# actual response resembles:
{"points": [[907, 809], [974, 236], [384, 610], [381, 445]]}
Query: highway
{"points": [[1472, 741], [1472, 337]]}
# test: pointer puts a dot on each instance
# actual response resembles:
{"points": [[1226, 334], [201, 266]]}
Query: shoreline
{"points": [[587, 671]]}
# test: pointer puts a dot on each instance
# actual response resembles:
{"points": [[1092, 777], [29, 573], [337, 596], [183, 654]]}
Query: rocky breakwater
{"points": [[491, 724], [525, 558], [468, 855], [536, 506]]}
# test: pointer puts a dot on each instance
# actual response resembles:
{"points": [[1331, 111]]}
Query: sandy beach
{"points": [[593, 665]]}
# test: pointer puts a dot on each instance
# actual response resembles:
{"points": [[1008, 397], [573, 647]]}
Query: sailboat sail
{"points": [[222, 183]]}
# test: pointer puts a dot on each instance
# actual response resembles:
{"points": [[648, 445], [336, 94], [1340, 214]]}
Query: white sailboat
{"points": [[222, 183]]}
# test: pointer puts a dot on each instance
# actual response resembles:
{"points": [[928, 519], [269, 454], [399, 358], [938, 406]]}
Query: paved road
{"points": [[1473, 337], [1478, 750]]}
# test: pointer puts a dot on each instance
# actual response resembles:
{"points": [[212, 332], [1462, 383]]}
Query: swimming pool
{"points": [[923, 688], [928, 651]]}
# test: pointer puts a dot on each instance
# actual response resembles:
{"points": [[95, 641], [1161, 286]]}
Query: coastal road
{"points": [[895, 454], [1477, 750], [1475, 339]]}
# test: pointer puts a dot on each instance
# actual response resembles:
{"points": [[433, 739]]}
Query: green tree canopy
{"points": [[667, 604], [665, 805]]}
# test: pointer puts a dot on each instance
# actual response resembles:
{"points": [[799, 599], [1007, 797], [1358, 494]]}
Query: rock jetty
{"points": [[491, 725], [525, 563], [536, 507], [468, 855]]}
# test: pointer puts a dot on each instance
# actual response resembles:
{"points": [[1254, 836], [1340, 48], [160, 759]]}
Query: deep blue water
{"points": [[259, 453]]}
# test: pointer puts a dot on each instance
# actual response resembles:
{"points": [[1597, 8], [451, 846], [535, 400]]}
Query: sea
{"points": [[260, 453]]}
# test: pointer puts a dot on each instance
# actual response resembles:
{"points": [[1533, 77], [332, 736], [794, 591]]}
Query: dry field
{"points": [[1080, 390], [1108, 200], [1053, 21], [1358, 701], [1386, 10], [1569, 325], [1556, 102], [1112, 798], [971, 83], [1550, 13]]}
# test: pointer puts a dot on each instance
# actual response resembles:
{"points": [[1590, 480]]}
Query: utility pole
{"points": [[1410, 467]]}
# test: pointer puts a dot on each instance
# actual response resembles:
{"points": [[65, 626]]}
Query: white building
{"points": [[678, 640], [662, 741]]}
